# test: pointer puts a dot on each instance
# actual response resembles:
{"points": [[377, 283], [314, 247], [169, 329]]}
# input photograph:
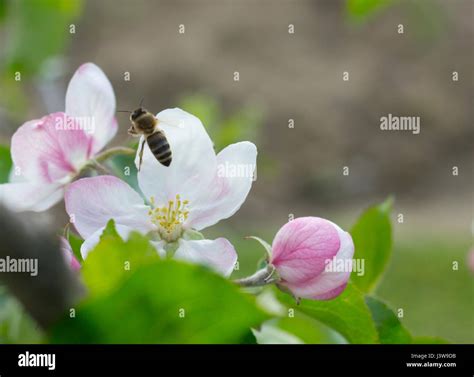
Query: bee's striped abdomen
{"points": [[160, 147]]}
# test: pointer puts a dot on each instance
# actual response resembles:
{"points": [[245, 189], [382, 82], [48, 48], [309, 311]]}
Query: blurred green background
{"points": [[287, 76]]}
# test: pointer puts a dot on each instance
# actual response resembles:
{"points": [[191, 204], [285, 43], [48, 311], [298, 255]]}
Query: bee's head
{"points": [[137, 113]]}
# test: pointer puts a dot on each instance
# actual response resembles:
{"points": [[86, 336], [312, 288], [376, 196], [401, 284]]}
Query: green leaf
{"points": [[429, 340], [348, 314], [5, 163], [110, 232], [372, 235], [76, 243], [26, 48], [360, 10], [165, 302], [113, 260], [388, 326]]}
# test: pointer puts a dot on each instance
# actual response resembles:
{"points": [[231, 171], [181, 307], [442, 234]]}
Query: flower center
{"points": [[169, 219]]}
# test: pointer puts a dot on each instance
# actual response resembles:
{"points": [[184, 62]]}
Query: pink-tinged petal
{"points": [[27, 196], [331, 294], [302, 246], [92, 202], [68, 254], [332, 281], [228, 190], [50, 149], [326, 286], [193, 160], [90, 99], [217, 254]]}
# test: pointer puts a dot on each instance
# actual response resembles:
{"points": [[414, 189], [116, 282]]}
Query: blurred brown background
{"points": [[299, 76]]}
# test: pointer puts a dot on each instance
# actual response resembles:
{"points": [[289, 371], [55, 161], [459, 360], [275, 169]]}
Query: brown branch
{"points": [[56, 288]]}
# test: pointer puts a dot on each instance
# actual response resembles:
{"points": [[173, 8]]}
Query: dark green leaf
{"points": [[372, 235], [348, 314], [5, 163], [165, 302], [113, 260], [388, 326], [76, 243], [110, 232]]}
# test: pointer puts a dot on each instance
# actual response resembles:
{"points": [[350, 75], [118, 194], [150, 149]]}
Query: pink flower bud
{"points": [[301, 252], [68, 254]]}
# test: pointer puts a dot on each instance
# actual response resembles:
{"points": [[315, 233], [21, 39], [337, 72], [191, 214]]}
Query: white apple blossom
{"points": [[188, 195], [48, 153]]}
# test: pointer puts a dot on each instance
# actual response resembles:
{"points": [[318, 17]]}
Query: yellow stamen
{"points": [[169, 219]]}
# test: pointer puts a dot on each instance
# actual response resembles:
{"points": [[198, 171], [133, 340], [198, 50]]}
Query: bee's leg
{"points": [[132, 131], [141, 154]]}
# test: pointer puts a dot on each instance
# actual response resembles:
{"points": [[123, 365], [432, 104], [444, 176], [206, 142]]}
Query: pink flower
{"points": [[191, 194], [301, 251], [47, 153], [68, 254]]}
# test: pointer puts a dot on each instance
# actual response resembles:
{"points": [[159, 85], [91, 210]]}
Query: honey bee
{"points": [[145, 123]]}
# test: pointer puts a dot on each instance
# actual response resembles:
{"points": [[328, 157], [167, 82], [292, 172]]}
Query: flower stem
{"points": [[259, 278], [99, 167], [113, 152], [101, 157]]}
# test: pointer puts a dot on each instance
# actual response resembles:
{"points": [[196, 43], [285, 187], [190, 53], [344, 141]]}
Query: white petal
{"points": [[217, 254], [160, 247], [91, 98], [229, 189], [269, 333], [92, 202], [27, 196], [193, 160], [346, 250]]}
